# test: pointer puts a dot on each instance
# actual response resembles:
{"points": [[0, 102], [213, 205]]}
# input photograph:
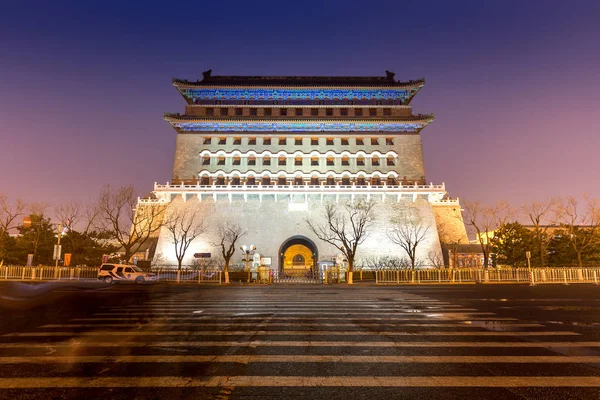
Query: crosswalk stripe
{"points": [[270, 324], [249, 316], [281, 312], [245, 359], [299, 343], [290, 333], [311, 309], [302, 381]]}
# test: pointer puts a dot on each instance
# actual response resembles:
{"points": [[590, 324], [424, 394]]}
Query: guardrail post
{"points": [[580, 274], [23, 277], [6, 272], [412, 276], [178, 275], [486, 276], [595, 277], [71, 271], [565, 277]]}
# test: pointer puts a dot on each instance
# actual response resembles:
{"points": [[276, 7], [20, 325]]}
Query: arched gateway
{"points": [[298, 255]]}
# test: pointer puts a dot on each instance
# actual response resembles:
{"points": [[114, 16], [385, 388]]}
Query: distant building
{"points": [[269, 151]]}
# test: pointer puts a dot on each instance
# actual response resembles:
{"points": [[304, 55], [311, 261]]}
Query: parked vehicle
{"points": [[110, 273]]}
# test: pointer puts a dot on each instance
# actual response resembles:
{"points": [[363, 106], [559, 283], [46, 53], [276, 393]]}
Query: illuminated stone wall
{"points": [[269, 224]]}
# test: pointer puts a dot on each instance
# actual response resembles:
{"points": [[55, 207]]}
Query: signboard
{"points": [[266, 261], [528, 254], [104, 258], [201, 255], [56, 254], [67, 259], [29, 260]]}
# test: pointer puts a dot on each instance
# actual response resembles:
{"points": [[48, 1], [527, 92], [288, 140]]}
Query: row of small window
{"points": [[314, 181], [297, 112], [305, 102], [267, 141], [298, 161]]}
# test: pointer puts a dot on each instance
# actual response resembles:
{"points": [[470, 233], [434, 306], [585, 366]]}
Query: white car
{"points": [[110, 273]]}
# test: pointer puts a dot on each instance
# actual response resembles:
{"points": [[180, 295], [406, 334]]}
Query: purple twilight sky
{"points": [[514, 85]]}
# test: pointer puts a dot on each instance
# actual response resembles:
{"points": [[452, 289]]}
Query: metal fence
{"points": [[187, 275], [532, 276], [45, 273]]}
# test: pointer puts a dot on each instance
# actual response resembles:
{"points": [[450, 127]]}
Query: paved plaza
{"points": [[299, 341]]}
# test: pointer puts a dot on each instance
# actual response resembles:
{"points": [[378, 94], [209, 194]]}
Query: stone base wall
{"points": [[269, 224]]}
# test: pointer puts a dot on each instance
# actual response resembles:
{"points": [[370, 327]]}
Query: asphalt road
{"points": [[171, 341]]}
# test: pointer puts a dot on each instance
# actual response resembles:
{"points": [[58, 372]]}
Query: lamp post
{"points": [[57, 248], [248, 251]]}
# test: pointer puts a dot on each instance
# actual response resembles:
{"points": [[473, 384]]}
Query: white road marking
{"points": [[298, 343], [245, 359], [288, 333], [271, 324], [302, 381]]}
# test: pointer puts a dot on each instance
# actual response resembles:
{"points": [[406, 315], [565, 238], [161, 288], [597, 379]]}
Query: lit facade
{"points": [[268, 152]]}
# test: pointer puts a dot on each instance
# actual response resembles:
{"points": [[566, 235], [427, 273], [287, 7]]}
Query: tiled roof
{"points": [[211, 80]]}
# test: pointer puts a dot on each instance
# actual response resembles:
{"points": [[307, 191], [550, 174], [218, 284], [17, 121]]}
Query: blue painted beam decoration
{"points": [[208, 126], [194, 94]]}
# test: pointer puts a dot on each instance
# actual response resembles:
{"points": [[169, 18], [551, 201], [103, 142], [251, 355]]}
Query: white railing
{"points": [[187, 275], [532, 276], [45, 273], [295, 188]]}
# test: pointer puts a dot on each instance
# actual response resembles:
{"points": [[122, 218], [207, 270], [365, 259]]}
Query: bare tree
{"points": [[435, 259], [227, 236], [449, 240], [483, 220], [9, 214], [409, 231], [543, 215], [346, 226], [383, 263], [130, 224], [90, 215], [184, 225], [69, 214], [582, 224]]}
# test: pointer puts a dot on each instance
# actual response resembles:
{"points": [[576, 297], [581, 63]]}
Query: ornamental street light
{"points": [[248, 251], [57, 248]]}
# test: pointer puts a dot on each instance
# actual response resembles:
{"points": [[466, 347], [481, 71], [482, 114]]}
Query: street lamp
{"points": [[248, 251], [57, 247]]}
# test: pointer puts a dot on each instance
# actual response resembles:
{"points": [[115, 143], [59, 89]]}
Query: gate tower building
{"points": [[266, 152]]}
